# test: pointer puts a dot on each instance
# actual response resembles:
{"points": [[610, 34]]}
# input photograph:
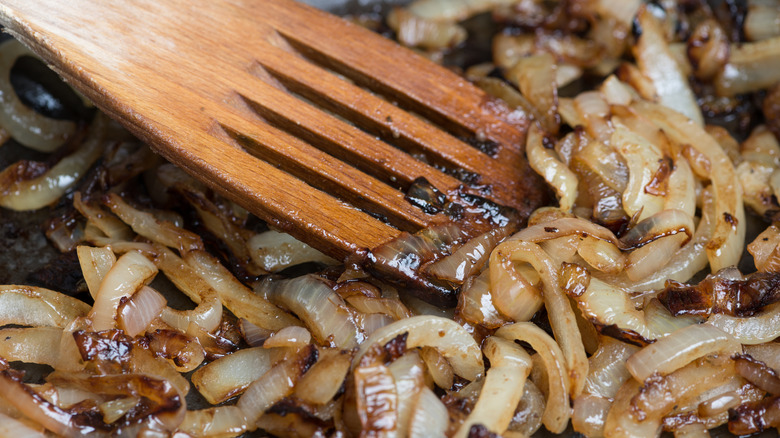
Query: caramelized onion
{"points": [[25, 125], [274, 251], [230, 375], [557, 410], [135, 314], [129, 273], [447, 336], [36, 306], [321, 309], [497, 401], [678, 349]]}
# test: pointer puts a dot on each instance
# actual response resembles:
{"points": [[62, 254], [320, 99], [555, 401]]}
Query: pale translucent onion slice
{"points": [[131, 271], [415, 31], [274, 251], [558, 409], [534, 76], [325, 378], [725, 247], [657, 62], [512, 292], [752, 330], [230, 375], [208, 312], [408, 372], [503, 387], [590, 414], [31, 344], [95, 264], [238, 298], [608, 369], [108, 224], [320, 309], [447, 336], [616, 92], [557, 175], [643, 160], [475, 303], [644, 261], [429, 416], [601, 255], [593, 111], [274, 385], [26, 125], [751, 67], [254, 335], [639, 410], [115, 409], [681, 189], [147, 225], [32, 194], [135, 314], [293, 336], [438, 367], [678, 349], [219, 421], [37, 306], [608, 305], [12, 427], [448, 10]]}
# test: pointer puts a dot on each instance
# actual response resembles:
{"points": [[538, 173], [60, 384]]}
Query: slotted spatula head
{"points": [[312, 123]]}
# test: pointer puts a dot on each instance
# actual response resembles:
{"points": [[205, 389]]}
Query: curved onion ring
{"points": [[447, 336], [756, 329], [643, 159], [46, 189], [558, 408], [503, 387], [561, 315], [557, 175], [678, 349], [230, 375], [25, 125], [36, 306], [129, 273], [725, 247], [39, 345]]}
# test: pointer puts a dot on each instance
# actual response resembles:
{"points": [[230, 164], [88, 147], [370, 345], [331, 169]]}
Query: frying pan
{"points": [[27, 257]]}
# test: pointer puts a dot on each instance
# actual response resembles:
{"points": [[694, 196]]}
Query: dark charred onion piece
{"points": [[183, 350], [159, 398], [60, 421], [718, 293], [755, 417], [405, 259]]}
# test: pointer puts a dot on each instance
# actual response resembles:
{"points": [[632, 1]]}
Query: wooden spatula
{"points": [[308, 121]]}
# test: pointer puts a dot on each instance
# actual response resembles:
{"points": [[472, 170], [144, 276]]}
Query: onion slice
{"points": [[558, 409], [37, 306], [128, 274], [25, 125], [753, 330], [447, 336], [230, 375], [725, 247], [678, 349], [562, 319], [503, 387]]}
